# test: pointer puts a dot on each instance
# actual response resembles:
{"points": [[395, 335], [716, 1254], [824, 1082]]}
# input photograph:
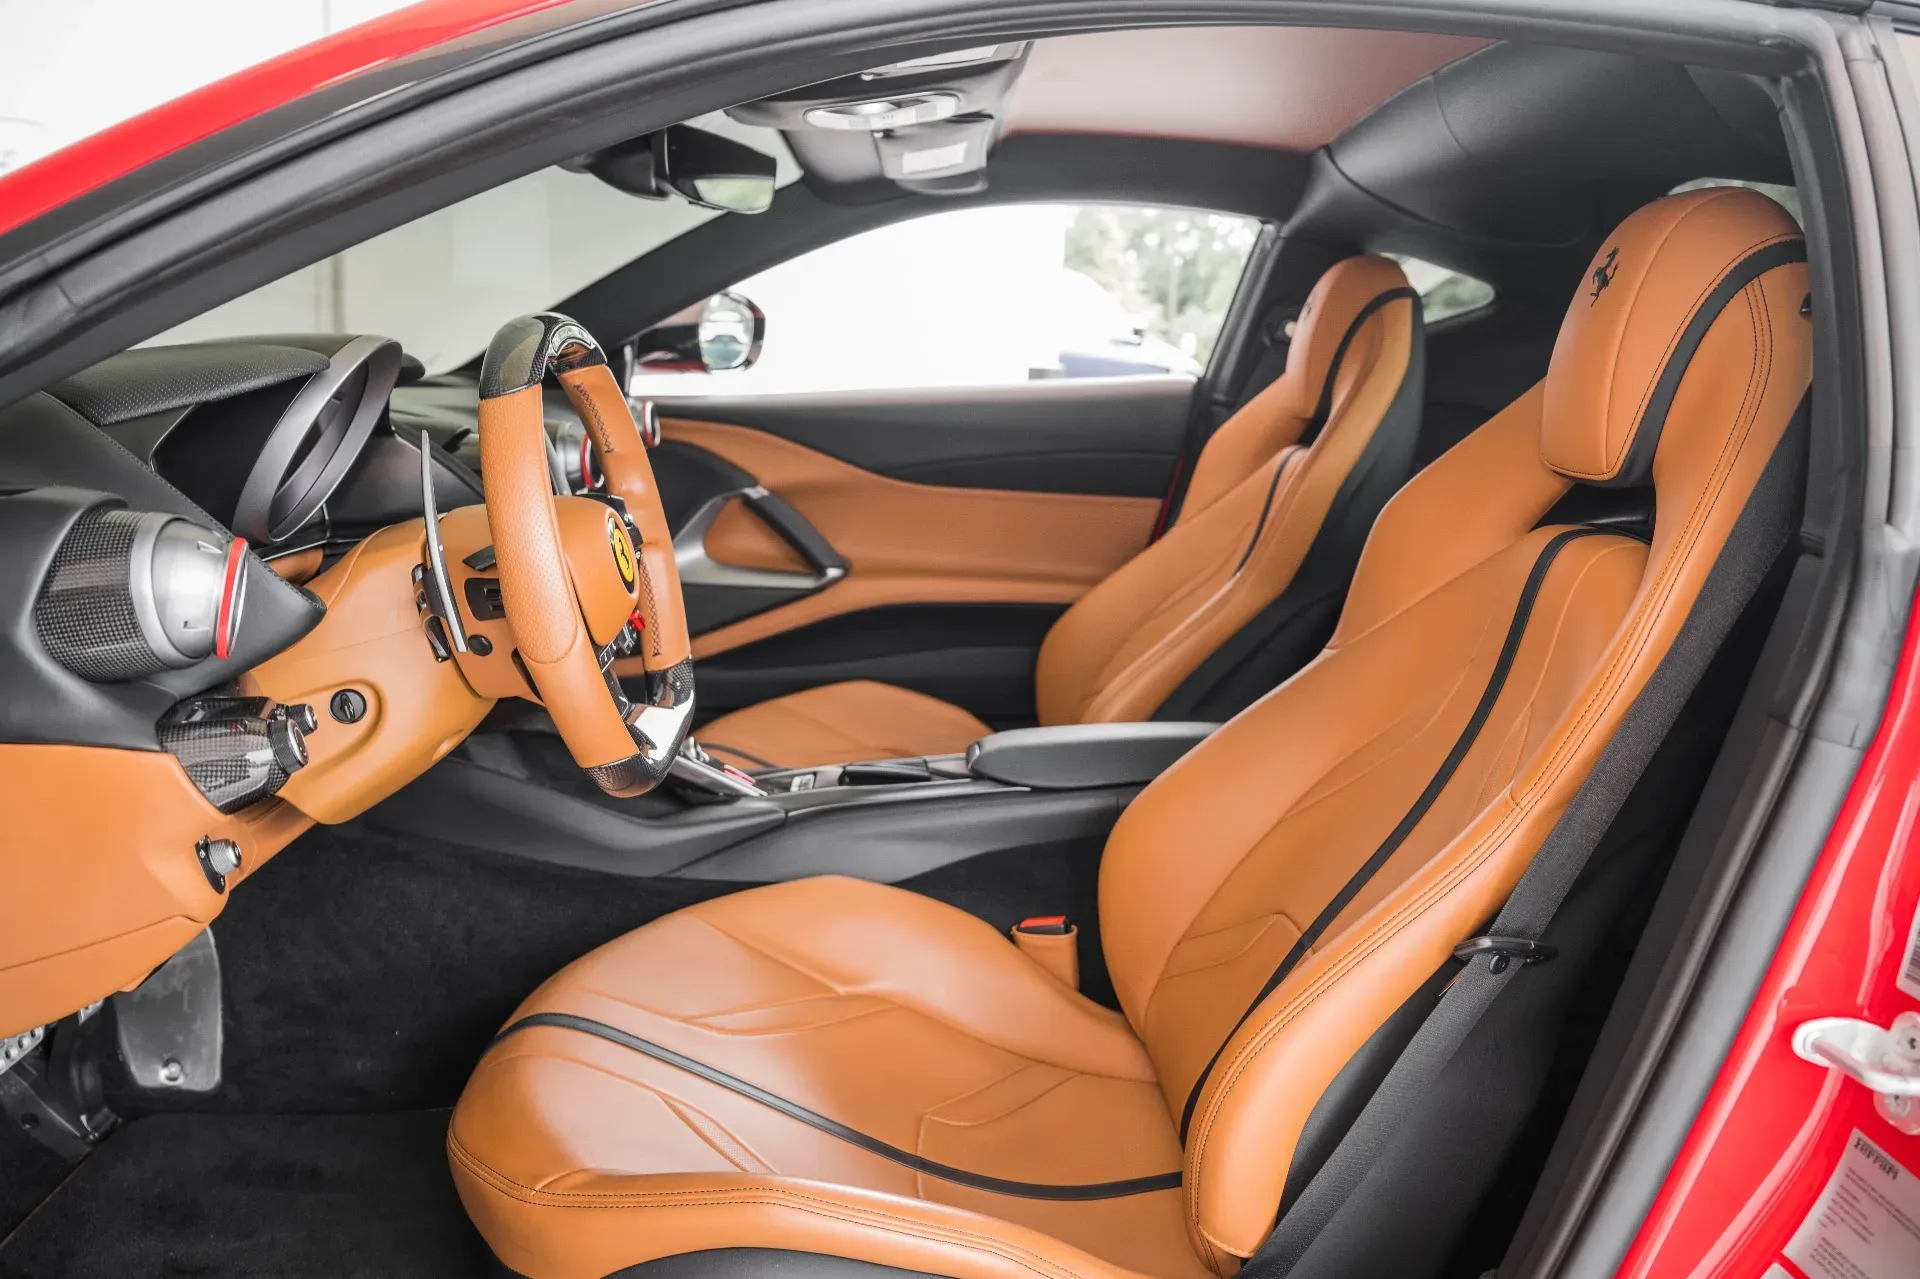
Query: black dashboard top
{"points": [[154, 379], [285, 439]]}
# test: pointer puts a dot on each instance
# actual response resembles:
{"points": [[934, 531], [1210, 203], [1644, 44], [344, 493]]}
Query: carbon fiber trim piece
{"points": [[226, 747], [525, 350], [85, 615]]}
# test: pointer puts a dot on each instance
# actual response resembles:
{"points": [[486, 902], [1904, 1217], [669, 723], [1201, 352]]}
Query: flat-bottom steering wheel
{"points": [[584, 580]]}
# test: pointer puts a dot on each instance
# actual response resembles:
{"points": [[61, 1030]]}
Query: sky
{"points": [[72, 68]]}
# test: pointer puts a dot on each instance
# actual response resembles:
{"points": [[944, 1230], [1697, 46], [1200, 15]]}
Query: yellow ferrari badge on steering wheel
{"points": [[622, 549]]}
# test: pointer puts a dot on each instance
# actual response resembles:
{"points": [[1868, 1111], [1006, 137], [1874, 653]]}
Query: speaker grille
{"points": [[84, 615]]}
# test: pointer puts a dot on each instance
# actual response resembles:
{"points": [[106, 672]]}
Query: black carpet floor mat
{"points": [[282, 1195], [367, 972], [28, 1174]]}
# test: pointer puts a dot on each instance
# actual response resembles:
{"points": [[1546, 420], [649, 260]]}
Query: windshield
{"points": [[443, 284]]}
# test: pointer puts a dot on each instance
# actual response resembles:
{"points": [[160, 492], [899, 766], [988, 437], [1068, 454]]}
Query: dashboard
{"points": [[294, 442], [221, 621], [211, 633]]}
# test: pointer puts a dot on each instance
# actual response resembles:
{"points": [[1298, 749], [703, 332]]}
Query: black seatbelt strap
{"points": [[1511, 944]]}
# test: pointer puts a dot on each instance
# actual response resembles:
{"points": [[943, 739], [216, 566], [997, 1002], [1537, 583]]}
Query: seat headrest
{"points": [[1350, 290], [1649, 296]]}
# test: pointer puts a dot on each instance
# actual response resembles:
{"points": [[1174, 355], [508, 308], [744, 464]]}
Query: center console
{"points": [[516, 791]]}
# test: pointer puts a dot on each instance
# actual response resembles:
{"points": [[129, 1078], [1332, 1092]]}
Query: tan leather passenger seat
{"points": [[838, 1067], [1237, 594]]}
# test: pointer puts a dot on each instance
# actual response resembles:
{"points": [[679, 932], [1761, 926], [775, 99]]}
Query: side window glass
{"points": [[1444, 293], [975, 297]]}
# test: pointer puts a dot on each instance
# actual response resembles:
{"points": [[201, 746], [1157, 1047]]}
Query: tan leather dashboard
{"points": [[908, 543], [103, 880], [371, 641], [103, 883]]}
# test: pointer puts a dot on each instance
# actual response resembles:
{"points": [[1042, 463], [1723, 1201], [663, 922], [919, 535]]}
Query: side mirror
{"points": [[715, 336], [702, 168]]}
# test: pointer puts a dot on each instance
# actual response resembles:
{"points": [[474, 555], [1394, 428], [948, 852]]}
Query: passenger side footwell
{"points": [[287, 1195]]}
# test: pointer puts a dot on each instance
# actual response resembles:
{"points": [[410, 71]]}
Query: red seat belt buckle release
{"points": [[1043, 925], [1050, 941]]}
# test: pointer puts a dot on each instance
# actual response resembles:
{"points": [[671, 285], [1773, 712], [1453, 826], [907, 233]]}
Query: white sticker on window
{"points": [[1909, 979], [1866, 1223]]}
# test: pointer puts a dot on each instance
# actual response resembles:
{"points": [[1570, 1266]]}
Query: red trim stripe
{"points": [[223, 626]]}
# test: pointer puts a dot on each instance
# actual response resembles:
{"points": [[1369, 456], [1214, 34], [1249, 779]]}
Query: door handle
{"points": [[1885, 1061], [697, 568]]}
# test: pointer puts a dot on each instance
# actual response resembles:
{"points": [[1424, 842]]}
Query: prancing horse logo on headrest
{"points": [[1603, 276]]}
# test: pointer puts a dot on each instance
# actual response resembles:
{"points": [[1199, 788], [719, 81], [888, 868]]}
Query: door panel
{"points": [[980, 656], [1111, 436], [950, 559], [908, 543]]}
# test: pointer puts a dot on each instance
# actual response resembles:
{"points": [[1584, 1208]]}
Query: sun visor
{"points": [[948, 158]]}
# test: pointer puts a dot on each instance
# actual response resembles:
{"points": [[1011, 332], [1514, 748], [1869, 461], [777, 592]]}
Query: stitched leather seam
{"points": [[956, 1028], [1659, 596], [1285, 1015], [772, 1197], [988, 1182], [1473, 859], [588, 407], [929, 1116], [702, 1024], [506, 1052], [697, 1122], [1673, 339], [1266, 922], [1303, 804]]}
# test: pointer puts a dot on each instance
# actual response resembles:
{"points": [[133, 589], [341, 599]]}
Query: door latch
{"points": [[1885, 1061]]}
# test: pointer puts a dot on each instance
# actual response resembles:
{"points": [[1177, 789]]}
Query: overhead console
{"points": [[925, 125]]}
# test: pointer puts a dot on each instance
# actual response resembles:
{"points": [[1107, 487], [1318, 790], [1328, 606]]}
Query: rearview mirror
{"points": [[702, 168], [715, 336]]}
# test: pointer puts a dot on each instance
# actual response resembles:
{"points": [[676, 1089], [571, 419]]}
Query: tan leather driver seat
{"points": [[1238, 594], [840, 1067]]}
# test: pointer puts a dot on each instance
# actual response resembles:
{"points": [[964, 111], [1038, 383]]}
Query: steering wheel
{"points": [[584, 580]]}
